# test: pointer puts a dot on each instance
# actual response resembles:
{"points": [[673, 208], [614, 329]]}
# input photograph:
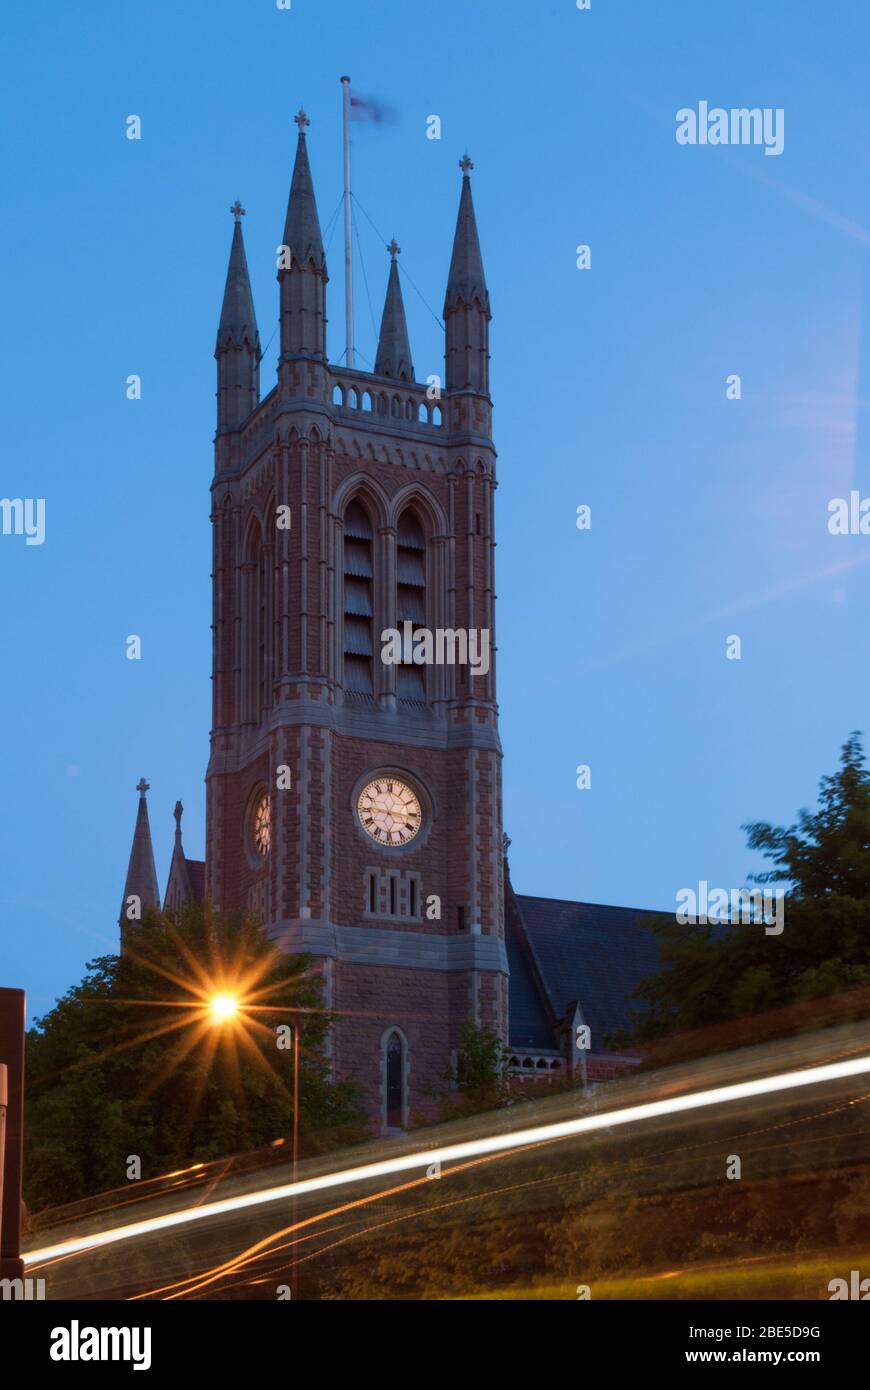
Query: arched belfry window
{"points": [[410, 600], [256, 647], [395, 1081], [263, 628], [358, 600]]}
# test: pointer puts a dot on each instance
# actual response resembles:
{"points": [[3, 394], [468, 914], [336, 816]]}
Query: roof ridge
{"points": [[580, 902]]}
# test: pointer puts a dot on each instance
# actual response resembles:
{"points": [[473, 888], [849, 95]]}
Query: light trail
{"points": [[262, 1247], [585, 1124]]}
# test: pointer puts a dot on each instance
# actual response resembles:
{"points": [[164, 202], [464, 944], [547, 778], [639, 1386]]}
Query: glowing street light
{"points": [[223, 1007]]}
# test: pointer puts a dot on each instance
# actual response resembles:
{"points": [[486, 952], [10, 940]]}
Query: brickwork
{"points": [[283, 706]]}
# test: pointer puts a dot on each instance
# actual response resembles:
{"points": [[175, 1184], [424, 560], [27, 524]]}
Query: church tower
{"points": [[353, 791]]}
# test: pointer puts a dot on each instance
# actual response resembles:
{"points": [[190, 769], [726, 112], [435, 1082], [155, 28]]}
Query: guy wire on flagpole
{"points": [[348, 247]]}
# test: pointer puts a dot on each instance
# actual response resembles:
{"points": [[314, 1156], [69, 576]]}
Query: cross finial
{"points": [[465, 165], [142, 786], [394, 248], [302, 121], [237, 210]]}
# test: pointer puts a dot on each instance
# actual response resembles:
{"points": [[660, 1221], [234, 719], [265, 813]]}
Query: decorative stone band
{"points": [[422, 731], [380, 946]]}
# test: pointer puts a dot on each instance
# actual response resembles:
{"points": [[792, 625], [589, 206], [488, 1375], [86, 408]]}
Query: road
{"points": [[745, 1175]]}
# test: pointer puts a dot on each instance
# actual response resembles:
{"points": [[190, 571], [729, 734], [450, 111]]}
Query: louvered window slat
{"points": [[358, 558], [410, 600], [410, 568], [357, 636], [358, 570], [357, 597], [410, 605]]}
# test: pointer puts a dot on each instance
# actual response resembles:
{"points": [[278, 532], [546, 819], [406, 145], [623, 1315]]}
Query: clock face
{"points": [[262, 826], [389, 811]]}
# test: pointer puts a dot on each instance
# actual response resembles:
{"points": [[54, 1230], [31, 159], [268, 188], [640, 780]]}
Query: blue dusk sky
{"points": [[709, 516]]}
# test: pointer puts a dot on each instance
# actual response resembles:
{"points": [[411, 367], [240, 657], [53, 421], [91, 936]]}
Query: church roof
{"points": [[531, 1022], [196, 878], [567, 952], [186, 876]]}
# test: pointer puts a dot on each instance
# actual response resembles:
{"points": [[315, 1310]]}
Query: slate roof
{"points": [[530, 1025], [196, 878], [563, 952]]}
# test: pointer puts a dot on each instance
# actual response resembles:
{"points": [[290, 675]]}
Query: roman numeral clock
{"points": [[389, 811]]}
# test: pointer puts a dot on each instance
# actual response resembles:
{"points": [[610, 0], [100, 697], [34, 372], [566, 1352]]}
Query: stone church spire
{"points": [[238, 342], [466, 304], [302, 264], [394, 351], [186, 876], [141, 873]]}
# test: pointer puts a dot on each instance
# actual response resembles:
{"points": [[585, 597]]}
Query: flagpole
{"points": [[348, 246]]}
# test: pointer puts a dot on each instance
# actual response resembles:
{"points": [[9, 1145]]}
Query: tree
{"points": [[131, 1061], [714, 973], [481, 1061]]}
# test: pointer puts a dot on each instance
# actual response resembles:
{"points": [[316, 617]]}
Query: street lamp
{"points": [[223, 1007]]}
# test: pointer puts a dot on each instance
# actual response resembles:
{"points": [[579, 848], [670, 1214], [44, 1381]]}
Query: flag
{"points": [[366, 109]]}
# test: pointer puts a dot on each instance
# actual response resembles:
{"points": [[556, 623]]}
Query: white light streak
{"points": [[563, 1129]]}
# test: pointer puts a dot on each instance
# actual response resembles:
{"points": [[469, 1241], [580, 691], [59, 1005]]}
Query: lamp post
{"points": [[295, 1102], [224, 1008], [294, 1273]]}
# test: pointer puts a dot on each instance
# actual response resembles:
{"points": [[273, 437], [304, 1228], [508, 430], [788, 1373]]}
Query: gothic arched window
{"points": [[410, 599], [263, 628], [358, 600], [395, 1081], [256, 626]]}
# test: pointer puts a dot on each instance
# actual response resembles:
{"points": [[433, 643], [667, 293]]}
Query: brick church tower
{"points": [[356, 804]]}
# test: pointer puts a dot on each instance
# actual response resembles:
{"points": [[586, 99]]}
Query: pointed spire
{"points": [[238, 341], [238, 323], [186, 876], [302, 264], [466, 281], [302, 225], [466, 303], [141, 873], [394, 351]]}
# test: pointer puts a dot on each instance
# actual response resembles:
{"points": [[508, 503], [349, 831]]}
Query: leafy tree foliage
{"points": [[714, 973], [482, 1060], [132, 1062]]}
